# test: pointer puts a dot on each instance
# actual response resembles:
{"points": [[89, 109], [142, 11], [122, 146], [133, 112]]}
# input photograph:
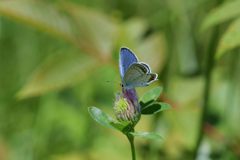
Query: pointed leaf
{"points": [[221, 14], [147, 135], [68, 21], [40, 15], [100, 40], [155, 108], [105, 120], [121, 126], [101, 117], [230, 39], [57, 72], [151, 95], [165, 106], [143, 105]]}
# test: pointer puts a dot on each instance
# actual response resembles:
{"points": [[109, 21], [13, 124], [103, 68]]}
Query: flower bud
{"points": [[126, 107]]}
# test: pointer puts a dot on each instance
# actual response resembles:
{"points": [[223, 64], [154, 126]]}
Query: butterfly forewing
{"points": [[127, 58]]}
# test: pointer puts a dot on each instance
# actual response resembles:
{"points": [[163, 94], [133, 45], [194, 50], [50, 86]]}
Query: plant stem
{"points": [[208, 77], [131, 141]]}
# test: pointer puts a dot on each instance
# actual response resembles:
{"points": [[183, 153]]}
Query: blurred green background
{"points": [[58, 57]]}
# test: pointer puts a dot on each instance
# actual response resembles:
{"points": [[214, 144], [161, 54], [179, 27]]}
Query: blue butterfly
{"points": [[134, 73]]}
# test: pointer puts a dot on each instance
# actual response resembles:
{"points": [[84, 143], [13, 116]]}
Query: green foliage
{"points": [[230, 39], [78, 30], [148, 102], [57, 72], [151, 95], [97, 42], [225, 12], [101, 117], [40, 15], [154, 108], [105, 120]]}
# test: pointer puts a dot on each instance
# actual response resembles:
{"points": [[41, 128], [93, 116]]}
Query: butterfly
{"points": [[134, 73]]}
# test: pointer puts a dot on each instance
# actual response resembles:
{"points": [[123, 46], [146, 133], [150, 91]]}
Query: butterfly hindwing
{"points": [[146, 65], [127, 58], [138, 75]]}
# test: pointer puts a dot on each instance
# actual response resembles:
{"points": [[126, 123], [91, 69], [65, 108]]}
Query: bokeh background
{"points": [[59, 57]]}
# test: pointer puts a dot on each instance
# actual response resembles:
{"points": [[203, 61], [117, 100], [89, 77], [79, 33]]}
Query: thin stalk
{"points": [[131, 141], [206, 95]]}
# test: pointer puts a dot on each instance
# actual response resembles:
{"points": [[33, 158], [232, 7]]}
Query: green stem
{"points": [[131, 141], [206, 95]]}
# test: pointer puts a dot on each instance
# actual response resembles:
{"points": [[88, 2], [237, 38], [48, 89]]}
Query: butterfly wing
{"points": [[138, 75], [127, 58], [147, 66]]}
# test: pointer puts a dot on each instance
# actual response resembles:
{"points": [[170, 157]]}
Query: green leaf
{"points": [[155, 107], [122, 126], [92, 40], [230, 39], [147, 135], [143, 105], [151, 95], [221, 14], [57, 72], [70, 22], [107, 121], [101, 117], [39, 15]]}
